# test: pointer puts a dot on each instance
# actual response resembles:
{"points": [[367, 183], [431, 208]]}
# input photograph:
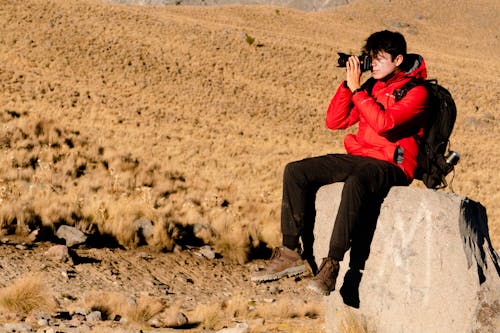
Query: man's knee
{"points": [[293, 171]]}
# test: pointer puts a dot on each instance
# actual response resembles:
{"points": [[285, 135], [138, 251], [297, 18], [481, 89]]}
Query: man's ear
{"points": [[399, 60]]}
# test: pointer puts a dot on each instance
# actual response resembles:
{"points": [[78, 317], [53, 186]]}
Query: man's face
{"points": [[383, 65]]}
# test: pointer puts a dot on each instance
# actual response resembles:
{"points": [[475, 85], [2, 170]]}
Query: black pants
{"points": [[366, 183]]}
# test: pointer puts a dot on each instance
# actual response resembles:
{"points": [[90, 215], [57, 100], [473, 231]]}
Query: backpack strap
{"points": [[401, 92]]}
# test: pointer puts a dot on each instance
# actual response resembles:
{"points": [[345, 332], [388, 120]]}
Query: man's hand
{"points": [[353, 73]]}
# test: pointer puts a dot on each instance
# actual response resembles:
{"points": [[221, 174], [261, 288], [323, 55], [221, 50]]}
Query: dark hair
{"points": [[391, 42]]}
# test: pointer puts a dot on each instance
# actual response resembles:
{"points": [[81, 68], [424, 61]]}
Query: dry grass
{"points": [[111, 304], [216, 316], [350, 323], [211, 316], [197, 130], [288, 308], [27, 294], [145, 309]]}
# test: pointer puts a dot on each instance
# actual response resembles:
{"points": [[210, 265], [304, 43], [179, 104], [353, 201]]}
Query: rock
{"points": [[240, 328], [38, 318], [431, 268], [144, 229], [207, 252], [172, 319], [15, 328], [71, 235], [94, 316], [58, 253], [46, 330]]}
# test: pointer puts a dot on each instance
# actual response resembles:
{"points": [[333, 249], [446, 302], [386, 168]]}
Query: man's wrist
{"points": [[357, 90]]}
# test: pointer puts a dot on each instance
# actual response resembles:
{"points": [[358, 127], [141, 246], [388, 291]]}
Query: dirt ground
{"points": [[186, 116], [183, 282]]}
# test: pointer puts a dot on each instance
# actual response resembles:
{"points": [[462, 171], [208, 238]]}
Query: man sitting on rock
{"points": [[380, 155]]}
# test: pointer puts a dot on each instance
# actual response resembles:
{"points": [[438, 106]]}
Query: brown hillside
{"points": [[112, 112], [186, 116]]}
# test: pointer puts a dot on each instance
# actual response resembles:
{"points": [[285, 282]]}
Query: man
{"points": [[380, 155]]}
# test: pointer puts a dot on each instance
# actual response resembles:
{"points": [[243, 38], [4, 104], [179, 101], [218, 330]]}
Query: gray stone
{"points": [[431, 267], [71, 235]]}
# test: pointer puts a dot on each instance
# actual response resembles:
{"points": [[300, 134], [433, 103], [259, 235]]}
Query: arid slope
{"points": [[187, 115]]}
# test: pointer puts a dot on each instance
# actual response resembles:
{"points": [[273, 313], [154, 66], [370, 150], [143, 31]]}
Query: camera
{"points": [[452, 157], [365, 60]]}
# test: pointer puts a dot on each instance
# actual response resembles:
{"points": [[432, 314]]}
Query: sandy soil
{"points": [[187, 115]]}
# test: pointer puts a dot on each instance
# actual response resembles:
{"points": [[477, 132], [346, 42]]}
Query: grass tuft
{"points": [[27, 294]]}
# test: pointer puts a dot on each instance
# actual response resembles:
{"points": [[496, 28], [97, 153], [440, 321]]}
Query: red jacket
{"points": [[384, 124]]}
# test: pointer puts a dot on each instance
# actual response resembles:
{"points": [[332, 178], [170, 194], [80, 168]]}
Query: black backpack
{"points": [[434, 159]]}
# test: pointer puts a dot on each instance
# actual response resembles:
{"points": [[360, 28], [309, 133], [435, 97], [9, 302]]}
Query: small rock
{"points": [[17, 328], [144, 229], [33, 236], [94, 316], [71, 235], [21, 247], [58, 253], [156, 323], [275, 290], [240, 328], [38, 318], [42, 322], [76, 321], [180, 319], [207, 252], [46, 330]]}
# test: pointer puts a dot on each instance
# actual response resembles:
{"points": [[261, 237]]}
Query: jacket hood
{"points": [[414, 65]]}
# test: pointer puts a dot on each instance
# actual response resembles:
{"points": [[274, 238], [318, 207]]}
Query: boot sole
{"points": [[289, 272], [315, 288]]}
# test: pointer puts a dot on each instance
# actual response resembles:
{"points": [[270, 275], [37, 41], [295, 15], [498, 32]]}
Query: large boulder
{"points": [[431, 267]]}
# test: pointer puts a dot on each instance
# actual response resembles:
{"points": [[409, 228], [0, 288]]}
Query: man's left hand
{"points": [[353, 73]]}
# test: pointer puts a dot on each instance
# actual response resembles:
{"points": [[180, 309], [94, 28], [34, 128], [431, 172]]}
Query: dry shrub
{"points": [[232, 241], [237, 307], [282, 309], [111, 304], [211, 316], [217, 315], [162, 238], [27, 294], [117, 216], [270, 233], [145, 309]]}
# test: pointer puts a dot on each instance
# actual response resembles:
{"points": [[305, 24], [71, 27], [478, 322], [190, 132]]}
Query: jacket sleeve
{"points": [[398, 117], [341, 112]]}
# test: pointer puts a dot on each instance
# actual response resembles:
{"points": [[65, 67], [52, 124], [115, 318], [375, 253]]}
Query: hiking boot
{"points": [[350, 289], [283, 263], [324, 282]]}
